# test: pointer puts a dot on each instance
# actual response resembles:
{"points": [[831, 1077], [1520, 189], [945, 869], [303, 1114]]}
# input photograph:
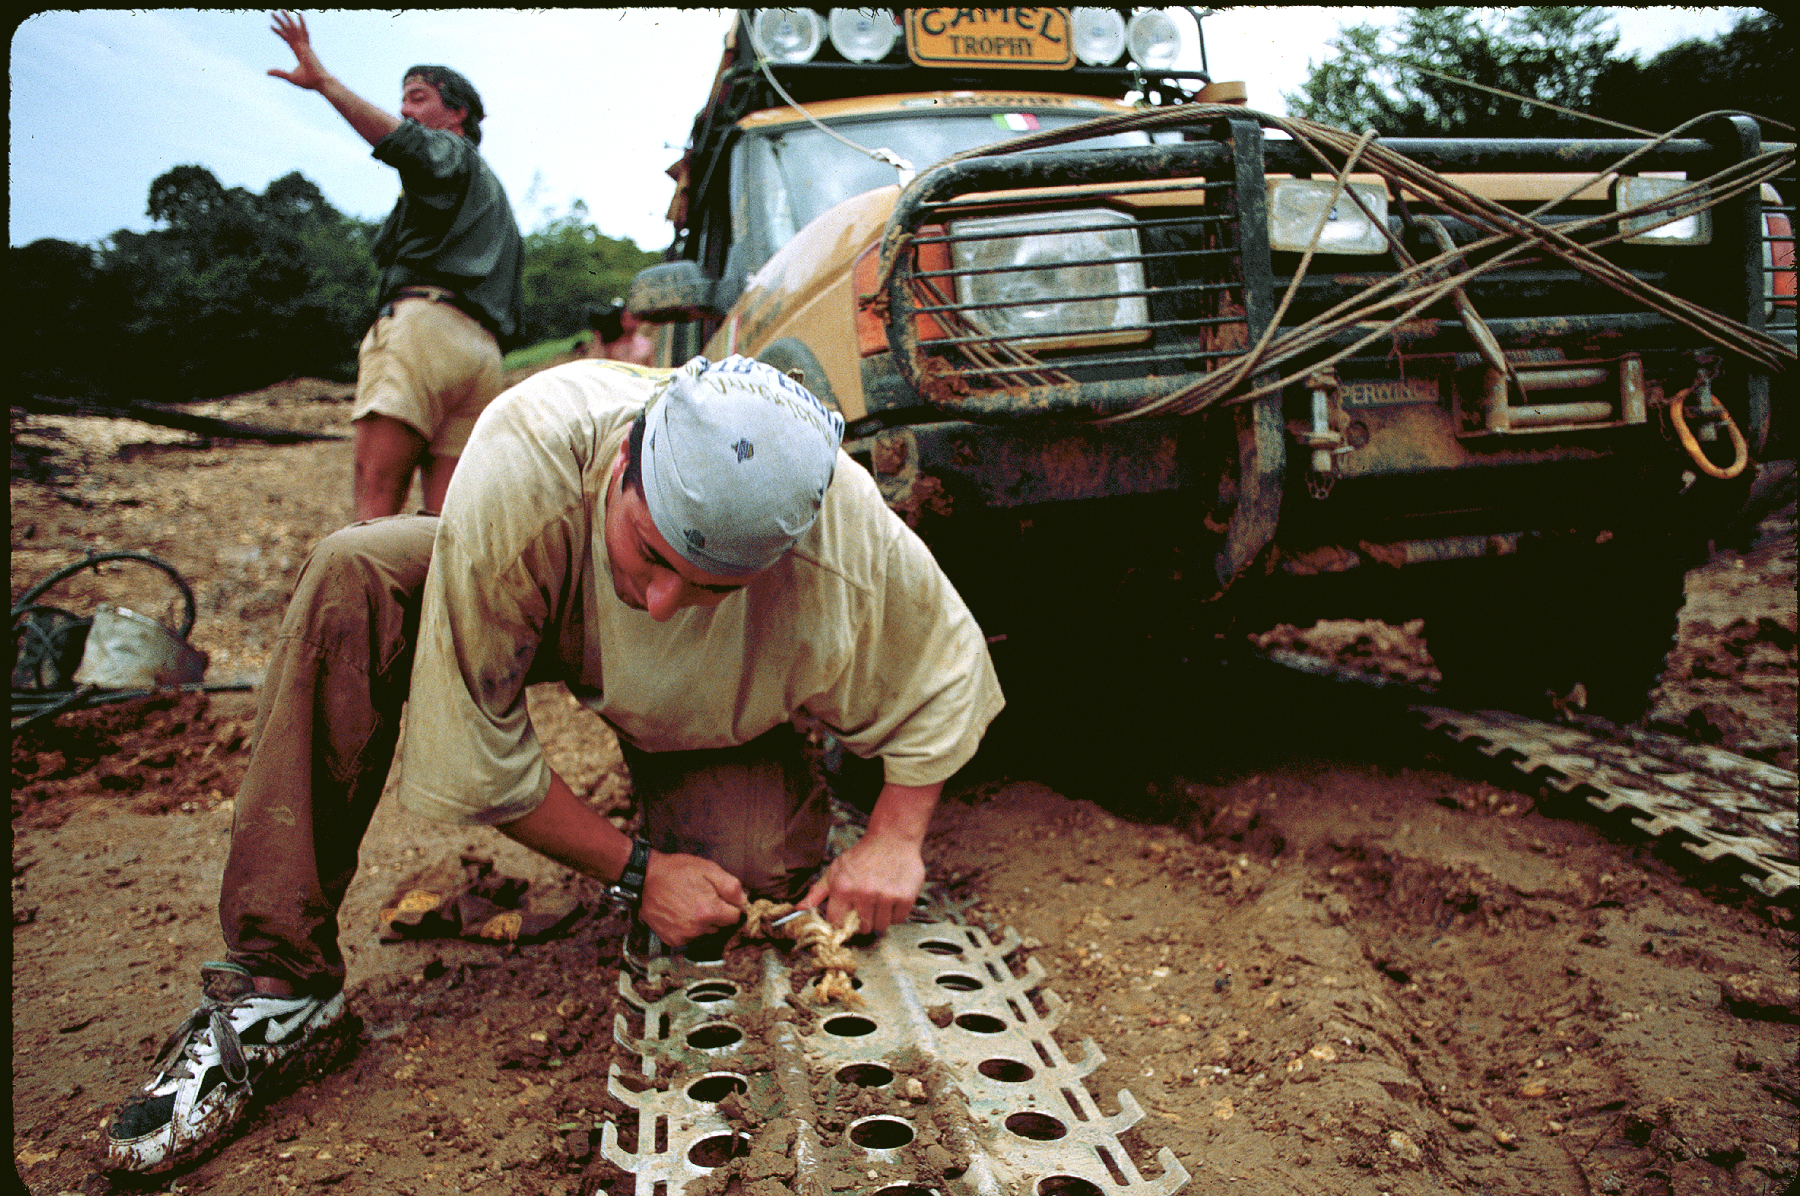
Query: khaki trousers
{"points": [[431, 366], [328, 716]]}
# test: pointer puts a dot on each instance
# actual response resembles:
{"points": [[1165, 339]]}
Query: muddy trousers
{"points": [[328, 717]]}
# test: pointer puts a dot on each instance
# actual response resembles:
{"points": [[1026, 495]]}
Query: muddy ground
{"points": [[1329, 962]]}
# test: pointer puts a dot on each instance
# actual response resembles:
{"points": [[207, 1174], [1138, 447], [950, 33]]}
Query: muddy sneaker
{"points": [[239, 1045]]}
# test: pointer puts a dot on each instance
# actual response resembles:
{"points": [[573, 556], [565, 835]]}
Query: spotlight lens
{"points": [[789, 34], [1099, 35], [863, 34], [1155, 40]]}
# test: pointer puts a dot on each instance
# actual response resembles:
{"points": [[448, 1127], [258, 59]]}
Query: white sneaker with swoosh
{"points": [[239, 1045]]}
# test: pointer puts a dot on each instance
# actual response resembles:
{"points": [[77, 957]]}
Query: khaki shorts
{"points": [[430, 366]]}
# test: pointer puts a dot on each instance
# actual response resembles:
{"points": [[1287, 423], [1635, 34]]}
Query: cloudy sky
{"points": [[583, 104]]}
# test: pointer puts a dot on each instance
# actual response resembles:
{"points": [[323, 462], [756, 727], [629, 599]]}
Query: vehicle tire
{"points": [[1524, 632]]}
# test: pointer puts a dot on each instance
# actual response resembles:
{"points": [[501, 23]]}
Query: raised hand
{"points": [[308, 72]]}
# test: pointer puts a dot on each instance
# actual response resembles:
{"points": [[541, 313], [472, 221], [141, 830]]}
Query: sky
{"points": [[589, 104]]}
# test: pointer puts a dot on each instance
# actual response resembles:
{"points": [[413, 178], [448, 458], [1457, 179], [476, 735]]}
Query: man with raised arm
{"points": [[693, 555], [451, 262]]}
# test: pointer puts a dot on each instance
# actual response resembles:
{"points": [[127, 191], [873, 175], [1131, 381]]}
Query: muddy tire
{"points": [[1522, 633]]}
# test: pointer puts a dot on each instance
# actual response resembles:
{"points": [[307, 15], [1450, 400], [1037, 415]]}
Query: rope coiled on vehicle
{"points": [[1512, 239]]}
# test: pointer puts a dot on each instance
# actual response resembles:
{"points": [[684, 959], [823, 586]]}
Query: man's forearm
{"points": [[571, 832], [904, 811], [684, 896], [879, 877], [371, 122]]}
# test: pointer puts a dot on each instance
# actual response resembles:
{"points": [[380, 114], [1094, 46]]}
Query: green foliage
{"points": [[57, 322], [1377, 78], [541, 352], [1750, 68], [570, 269], [239, 290]]}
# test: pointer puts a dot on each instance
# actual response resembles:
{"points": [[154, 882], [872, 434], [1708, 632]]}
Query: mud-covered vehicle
{"points": [[1138, 360]]}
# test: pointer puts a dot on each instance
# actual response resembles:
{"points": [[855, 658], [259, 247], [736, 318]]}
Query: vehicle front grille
{"points": [[1189, 294], [1202, 285], [1778, 253]]}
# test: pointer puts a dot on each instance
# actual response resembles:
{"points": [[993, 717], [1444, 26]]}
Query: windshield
{"points": [[787, 177]]}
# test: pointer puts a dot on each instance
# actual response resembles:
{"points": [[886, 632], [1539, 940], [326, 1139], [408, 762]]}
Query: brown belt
{"points": [[436, 294], [441, 294]]}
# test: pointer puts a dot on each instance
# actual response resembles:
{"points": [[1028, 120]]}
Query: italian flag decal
{"points": [[1016, 122]]}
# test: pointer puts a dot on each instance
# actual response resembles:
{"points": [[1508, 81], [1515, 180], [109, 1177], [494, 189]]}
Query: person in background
{"points": [[451, 262], [619, 336]]}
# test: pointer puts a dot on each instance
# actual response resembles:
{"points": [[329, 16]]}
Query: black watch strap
{"points": [[628, 891]]}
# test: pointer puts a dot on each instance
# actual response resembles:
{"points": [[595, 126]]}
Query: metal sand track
{"points": [[946, 1080], [1732, 815], [1724, 809]]}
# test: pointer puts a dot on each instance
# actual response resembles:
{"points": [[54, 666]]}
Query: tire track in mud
{"points": [[1419, 982]]}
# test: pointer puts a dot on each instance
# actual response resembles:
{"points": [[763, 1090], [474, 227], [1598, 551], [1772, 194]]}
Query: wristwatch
{"points": [[628, 891]]}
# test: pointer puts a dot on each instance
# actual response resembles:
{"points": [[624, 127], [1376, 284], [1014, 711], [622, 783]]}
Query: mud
{"points": [[1321, 956]]}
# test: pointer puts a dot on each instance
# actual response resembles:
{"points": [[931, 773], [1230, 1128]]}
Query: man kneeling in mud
{"points": [[694, 556]]}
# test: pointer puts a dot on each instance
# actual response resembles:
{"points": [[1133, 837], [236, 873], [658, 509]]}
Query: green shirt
{"points": [[452, 226]]}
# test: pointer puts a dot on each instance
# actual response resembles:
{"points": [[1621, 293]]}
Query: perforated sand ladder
{"points": [[948, 1080]]}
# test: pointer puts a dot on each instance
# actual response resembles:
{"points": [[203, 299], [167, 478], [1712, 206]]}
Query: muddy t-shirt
{"points": [[856, 625], [452, 225]]}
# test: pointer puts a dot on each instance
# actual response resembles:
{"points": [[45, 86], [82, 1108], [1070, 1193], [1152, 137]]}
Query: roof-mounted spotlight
{"points": [[863, 34], [788, 34], [1154, 39], [1098, 35]]}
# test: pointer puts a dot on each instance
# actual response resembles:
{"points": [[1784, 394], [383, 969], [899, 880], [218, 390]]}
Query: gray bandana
{"points": [[737, 457]]}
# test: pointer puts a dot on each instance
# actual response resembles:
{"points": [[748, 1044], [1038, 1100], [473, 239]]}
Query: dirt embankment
{"points": [[1320, 956]]}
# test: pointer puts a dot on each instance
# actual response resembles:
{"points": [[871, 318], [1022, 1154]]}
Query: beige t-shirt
{"points": [[856, 625]]}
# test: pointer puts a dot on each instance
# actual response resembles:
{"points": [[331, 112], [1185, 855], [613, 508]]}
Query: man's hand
{"points": [[307, 72], [880, 877], [686, 896], [370, 122]]}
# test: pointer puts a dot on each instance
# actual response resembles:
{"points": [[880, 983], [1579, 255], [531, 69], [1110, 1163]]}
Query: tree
{"points": [[571, 267], [184, 196], [54, 313], [295, 197], [238, 290], [1749, 68], [1379, 78]]}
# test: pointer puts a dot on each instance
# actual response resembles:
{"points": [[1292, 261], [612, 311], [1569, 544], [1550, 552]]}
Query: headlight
{"points": [[1067, 277], [1296, 207], [863, 34], [1155, 41], [1098, 35], [1692, 228], [788, 34]]}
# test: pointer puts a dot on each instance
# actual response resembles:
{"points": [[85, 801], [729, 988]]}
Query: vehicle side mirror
{"points": [[673, 291]]}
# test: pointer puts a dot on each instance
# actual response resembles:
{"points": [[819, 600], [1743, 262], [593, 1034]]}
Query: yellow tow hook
{"points": [[1713, 413]]}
